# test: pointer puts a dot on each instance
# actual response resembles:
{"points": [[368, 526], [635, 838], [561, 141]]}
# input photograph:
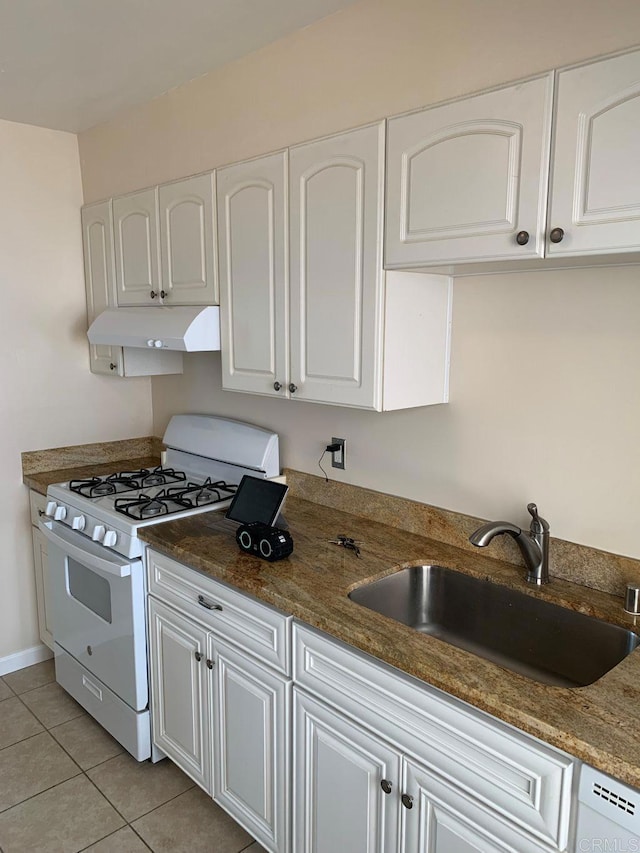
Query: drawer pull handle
{"points": [[386, 786], [407, 801], [88, 685], [208, 604]]}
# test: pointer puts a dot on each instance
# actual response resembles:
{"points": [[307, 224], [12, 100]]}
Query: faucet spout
{"points": [[533, 545]]}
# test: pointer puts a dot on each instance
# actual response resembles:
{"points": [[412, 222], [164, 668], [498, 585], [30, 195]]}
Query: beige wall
{"points": [[49, 398], [544, 388]]}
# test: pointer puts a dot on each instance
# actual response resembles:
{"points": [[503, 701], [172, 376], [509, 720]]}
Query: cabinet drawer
{"points": [[255, 627], [520, 777], [37, 504]]}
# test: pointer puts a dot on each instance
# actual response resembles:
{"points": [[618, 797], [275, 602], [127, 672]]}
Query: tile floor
{"points": [[67, 786]]}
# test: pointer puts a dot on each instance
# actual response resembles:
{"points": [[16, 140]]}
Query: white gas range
{"points": [[96, 568]]}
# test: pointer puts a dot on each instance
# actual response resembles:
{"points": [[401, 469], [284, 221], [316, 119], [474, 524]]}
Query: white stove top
{"points": [[187, 483]]}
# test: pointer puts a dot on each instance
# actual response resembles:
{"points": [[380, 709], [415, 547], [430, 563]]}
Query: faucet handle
{"points": [[538, 524]]}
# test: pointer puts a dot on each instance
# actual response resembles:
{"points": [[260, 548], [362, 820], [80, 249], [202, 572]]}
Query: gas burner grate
{"points": [[143, 507], [205, 493], [161, 477], [126, 481]]}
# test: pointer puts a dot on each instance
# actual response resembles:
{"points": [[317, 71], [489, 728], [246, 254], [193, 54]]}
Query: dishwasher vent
{"points": [[610, 798], [615, 799]]}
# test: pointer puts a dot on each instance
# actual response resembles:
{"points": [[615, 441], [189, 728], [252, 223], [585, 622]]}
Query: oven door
{"points": [[98, 611]]}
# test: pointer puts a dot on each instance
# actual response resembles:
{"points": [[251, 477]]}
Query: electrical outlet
{"points": [[338, 456]]}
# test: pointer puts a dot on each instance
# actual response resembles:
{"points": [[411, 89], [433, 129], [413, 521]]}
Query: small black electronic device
{"points": [[257, 499], [264, 541]]}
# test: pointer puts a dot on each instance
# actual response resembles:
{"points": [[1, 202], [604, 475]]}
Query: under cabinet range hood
{"points": [[183, 329]]}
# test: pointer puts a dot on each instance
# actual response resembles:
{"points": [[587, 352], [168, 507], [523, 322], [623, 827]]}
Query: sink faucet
{"points": [[533, 545]]}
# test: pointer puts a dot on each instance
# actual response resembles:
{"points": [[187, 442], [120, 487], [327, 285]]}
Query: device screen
{"points": [[257, 500]]}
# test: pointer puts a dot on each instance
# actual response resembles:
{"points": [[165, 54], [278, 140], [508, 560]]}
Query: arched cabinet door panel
{"points": [[100, 281], [595, 187], [465, 179], [252, 245], [135, 226], [187, 241], [336, 270]]}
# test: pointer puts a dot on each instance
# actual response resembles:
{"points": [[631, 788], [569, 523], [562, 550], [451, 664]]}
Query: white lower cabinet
{"points": [[357, 757], [458, 780], [218, 711], [37, 503], [356, 793], [345, 784], [180, 712], [437, 817], [251, 744]]}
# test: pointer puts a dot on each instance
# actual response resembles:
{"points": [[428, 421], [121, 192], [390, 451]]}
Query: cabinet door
{"points": [[179, 698], [135, 223], [336, 269], [100, 281], [43, 598], [187, 234], [252, 221], [439, 818], [339, 768], [595, 190], [251, 709], [465, 178]]}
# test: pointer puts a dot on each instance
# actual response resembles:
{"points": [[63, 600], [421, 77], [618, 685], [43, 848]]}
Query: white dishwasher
{"points": [[608, 815]]}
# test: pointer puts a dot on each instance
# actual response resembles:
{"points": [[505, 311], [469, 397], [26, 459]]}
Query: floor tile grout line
{"points": [[22, 740], [155, 808], [133, 829], [43, 791]]}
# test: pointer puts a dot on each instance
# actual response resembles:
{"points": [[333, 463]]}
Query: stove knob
{"points": [[78, 522], [98, 533], [150, 342], [110, 538], [51, 508], [60, 514], [158, 344]]}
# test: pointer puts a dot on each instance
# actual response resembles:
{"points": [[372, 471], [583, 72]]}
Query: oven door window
{"points": [[89, 589]]}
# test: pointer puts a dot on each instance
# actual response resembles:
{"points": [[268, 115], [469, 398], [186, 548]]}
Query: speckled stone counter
{"points": [[40, 468], [599, 723]]}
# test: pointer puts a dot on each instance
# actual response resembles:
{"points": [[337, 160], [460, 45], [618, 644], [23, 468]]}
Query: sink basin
{"points": [[543, 641]]}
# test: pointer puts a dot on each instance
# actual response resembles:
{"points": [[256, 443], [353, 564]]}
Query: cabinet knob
{"points": [[209, 664], [386, 786], [162, 294], [153, 294], [556, 235], [198, 656], [407, 801], [293, 388], [522, 238], [113, 366], [277, 386]]}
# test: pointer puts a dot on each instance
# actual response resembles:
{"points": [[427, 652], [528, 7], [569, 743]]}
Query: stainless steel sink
{"points": [[543, 641]]}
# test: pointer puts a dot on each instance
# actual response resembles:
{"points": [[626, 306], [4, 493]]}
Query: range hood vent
{"points": [[185, 329]]}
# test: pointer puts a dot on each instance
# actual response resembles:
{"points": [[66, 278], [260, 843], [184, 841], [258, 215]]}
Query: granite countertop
{"points": [[598, 724], [39, 480]]}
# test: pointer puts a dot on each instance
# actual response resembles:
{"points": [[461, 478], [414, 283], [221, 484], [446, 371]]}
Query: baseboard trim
{"points": [[27, 657]]}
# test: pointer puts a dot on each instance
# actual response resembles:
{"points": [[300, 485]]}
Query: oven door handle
{"points": [[91, 561]]}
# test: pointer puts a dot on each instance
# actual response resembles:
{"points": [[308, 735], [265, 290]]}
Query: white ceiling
{"points": [[70, 64]]}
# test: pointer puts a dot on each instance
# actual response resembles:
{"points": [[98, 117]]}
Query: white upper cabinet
{"points": [[187, 245], [100, 281], [323, 322], [595, 188], [466, 181], [252, 247], [351, 323], [336, 269], [135, 223]]}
